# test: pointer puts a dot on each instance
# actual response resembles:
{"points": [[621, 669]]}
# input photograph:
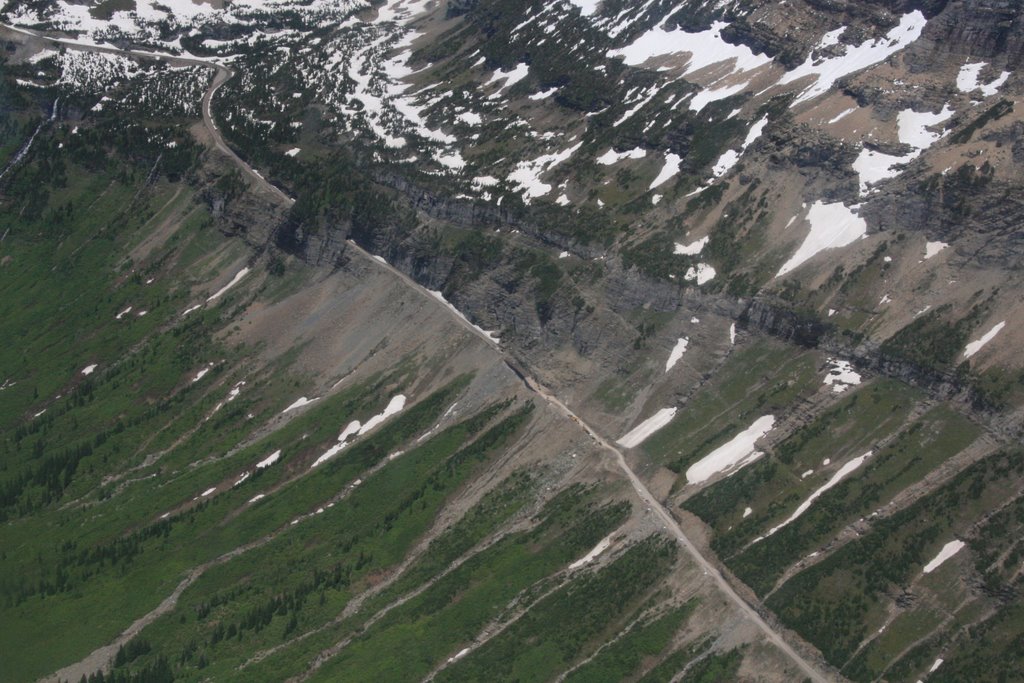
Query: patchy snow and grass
{"points": [[639, 434], [841, 375], [356, 428], [976, 346], [592, 555], [948, 551], [735, 454], [854, 57], [234, 281], [844, 471], [677, 352], [731, 157], [526, 176], [832, 226]]}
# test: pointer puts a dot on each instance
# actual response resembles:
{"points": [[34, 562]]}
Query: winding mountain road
{"points": [[221, 75]]}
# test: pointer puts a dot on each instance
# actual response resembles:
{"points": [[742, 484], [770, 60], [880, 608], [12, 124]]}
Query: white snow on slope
{"points": [[701, 273], [735, 454], [269, 460], [693, 248], [234, 281], [844, 471], [612, 157], [705, 48], [677, 352], [856, 57], [732, 156], [933, 248], [587, 7], [948, 551], [355, 428], [394, 406], [639, 434], [841, 375], [510, 78], [299, 402], [832, 226], [873, 166], [89, 369], [976, 346], [669, 170], [967, 80], [592, 555], [526, 176]]}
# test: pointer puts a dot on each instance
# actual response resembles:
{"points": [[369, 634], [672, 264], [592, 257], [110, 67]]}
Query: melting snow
{"points": [[123, 313], [208, 492], [293, 151], [589, 557], [841, 376], [948, 551], [587, 7], [832, 226], [842, 115], [935, 665], [747, 512], [843, 472], [737, 453], [89, 369], [976, 346], [639, 434], [259, 496], [677, 352], [732, 333], [355, 428], [829, 70]]}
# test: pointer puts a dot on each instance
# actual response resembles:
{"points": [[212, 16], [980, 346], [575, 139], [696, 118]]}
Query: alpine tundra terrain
{"points": [[515, 340]]}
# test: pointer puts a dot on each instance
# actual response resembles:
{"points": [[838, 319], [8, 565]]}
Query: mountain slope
{"points": [[770, 251]]}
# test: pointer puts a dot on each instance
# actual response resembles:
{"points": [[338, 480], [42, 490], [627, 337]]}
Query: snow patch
{"points": [[677, 352], [948, 551], [693, 248], [234, 281], [843, 472], [967, 80], [832, 226], [639, 434], [269, 460], [668, 171], [933, 248], [841, 375], [592, 555], [854, 58], [299, 402], [735, 454], [89, 369], [976, 346]]}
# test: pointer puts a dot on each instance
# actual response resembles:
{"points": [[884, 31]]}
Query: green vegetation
{"points": [[619, 660]]}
